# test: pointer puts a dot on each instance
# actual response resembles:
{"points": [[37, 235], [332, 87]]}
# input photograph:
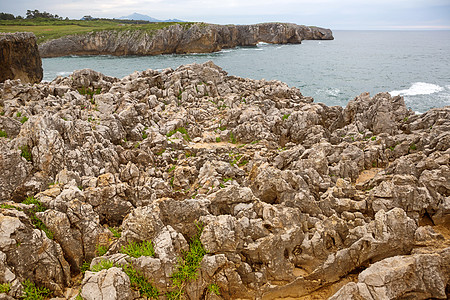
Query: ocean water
{"points": [[413, 64]]}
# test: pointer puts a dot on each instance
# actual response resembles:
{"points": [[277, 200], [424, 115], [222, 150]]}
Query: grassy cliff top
{"points": [[47, 29]]}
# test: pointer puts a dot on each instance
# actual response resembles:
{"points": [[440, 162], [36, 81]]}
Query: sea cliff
{"points": [[187, 38], [192, 183]]}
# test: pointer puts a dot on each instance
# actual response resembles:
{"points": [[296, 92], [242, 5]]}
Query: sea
{"points": [[412, 64]]}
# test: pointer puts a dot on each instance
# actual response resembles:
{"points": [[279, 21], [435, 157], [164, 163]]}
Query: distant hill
{"points": [[136, 16]]}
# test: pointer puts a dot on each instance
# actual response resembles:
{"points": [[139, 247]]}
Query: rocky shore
{"points": [[192, 184], [185, 38]]}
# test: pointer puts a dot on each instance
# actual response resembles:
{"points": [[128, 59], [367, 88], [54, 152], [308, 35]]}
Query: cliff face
{"points": [[198, 38], [19, 57]]}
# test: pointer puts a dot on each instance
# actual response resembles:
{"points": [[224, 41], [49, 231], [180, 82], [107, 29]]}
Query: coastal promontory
{"points": [[180, 38]]}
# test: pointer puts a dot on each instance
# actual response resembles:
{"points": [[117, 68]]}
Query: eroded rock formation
{"points": [[187, 38], [19, 57], [287, 197]]}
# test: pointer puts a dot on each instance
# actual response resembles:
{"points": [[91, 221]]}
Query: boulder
{"points": [[19, 57]]}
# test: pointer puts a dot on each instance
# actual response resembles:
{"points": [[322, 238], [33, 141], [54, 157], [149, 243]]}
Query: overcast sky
{"points": [[341, 14]]}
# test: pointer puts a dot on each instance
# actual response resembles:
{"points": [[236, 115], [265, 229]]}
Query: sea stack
{"points": [[19, 57]]}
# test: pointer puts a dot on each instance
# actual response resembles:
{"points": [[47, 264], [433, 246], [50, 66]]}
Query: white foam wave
{"points": [[333, 92], [252, 49], [418, 88], [262, 43]]}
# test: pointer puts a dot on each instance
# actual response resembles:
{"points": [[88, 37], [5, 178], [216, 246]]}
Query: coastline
{"points": [[195, 38]]}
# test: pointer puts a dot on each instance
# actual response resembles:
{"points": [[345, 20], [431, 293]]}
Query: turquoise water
{"points": [[414, 64]]}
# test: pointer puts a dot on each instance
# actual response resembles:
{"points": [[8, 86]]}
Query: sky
{"points": [[341, 14]]}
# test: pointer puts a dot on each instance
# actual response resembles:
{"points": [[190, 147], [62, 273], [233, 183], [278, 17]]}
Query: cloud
{"points": [[343, 14]]}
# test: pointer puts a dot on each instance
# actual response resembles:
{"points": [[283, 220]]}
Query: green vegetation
{"points": [[23, 120], [171, 168], [217, 139], [214, 289], [102, 265], [413, 147], [140, 283], [18, 114], [78, 297], [144, 134], [181, 130], [85, 266], [25, 152], [49, 29], [101, 250], [139, 249], [34, 293], [5, 288], [373, 138], [38, 207], [89, 91], [243, 163], [115, 231], [187, 267], [232, 138], [285, 117], [8, 206], [3, 134]]}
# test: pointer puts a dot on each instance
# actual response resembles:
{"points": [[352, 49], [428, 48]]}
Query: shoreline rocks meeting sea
{"points": [[193, 184]]}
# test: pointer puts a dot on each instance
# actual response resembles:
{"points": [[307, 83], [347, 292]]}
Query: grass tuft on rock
{"points": [[32, 292], [136, 250]]}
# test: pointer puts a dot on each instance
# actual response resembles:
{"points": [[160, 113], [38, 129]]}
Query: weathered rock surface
{"points": [[294, 198], [186, 38], [419, 276], [19, 57]]}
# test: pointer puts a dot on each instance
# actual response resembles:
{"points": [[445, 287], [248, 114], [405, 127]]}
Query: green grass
{"points": [[23, 120], [5, 288], [3, 134], [214, 289], [181, 130], [136, 250], [38, 207], [140, 283], [116, 232], [232, 138], [46, 29], [34, 293], [85, 266], [25, 152], [101, 250], [285, 117], [187, 267], [413, 147], [102, 265], [218, 140], [8, 206]]}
